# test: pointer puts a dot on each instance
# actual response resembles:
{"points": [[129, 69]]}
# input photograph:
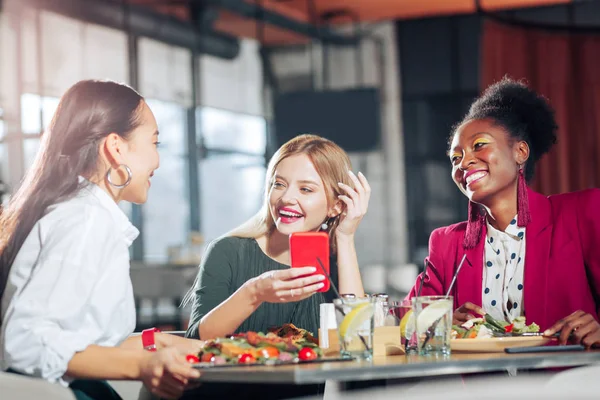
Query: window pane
{"points": [[30, 149], [166, 213], [31, 105], [2, 128], [49, 106], [231, 191], [3, 162], [228, 130], [3, 172]]}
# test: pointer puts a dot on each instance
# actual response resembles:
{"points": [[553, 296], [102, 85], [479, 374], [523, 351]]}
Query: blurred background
{"points": [[231, 80]]}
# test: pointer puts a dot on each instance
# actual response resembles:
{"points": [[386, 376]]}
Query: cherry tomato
{"points": [[192, 359], [306, 353], [207, 357], [237, 335], [246, 358], [269, 352]]}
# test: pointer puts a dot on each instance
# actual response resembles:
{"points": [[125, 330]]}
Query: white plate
{"points": [[495, 345]]}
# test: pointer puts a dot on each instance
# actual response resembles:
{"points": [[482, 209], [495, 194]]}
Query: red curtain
{"points": [[566, 69]]}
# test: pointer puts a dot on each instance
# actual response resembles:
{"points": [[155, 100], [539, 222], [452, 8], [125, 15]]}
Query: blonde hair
{"points": [[332, 164]]}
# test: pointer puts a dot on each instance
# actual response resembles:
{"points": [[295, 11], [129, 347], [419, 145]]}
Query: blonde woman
{"points": [[245, 281]]}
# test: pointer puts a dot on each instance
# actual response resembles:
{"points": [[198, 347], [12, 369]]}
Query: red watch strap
{"points": [[148, 339]]}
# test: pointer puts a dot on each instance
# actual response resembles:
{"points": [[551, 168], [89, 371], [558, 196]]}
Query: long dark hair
{"points": [[88, 112]]}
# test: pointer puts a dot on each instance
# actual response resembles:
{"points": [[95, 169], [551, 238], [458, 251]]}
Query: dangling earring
{"points": [[325, 224], [474, 226], [127, 182], [523, 214]]}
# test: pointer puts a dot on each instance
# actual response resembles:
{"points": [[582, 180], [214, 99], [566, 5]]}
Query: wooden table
{"points": [[399, 367]]}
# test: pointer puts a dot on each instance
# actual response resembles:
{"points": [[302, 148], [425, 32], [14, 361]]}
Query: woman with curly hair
{"points": [[526, 254]]}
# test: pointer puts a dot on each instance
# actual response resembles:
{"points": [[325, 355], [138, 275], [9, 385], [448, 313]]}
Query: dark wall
{"points": [[439, 63], [439, 67]]}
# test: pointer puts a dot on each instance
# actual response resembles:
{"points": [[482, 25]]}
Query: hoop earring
{"points": [[127, 182]]}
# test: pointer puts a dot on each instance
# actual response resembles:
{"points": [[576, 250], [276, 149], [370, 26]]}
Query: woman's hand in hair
{"points": [[357, 203], [167, 373], [286, 285]]}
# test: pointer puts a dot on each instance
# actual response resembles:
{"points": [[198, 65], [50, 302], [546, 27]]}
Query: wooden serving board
{"points": [[386, 342]]}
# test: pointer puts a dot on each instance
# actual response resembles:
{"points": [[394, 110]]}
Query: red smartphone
{"points": [[306, 247]]}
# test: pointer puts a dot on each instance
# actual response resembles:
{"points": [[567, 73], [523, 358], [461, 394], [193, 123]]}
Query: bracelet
{"points": [[148, 339]]}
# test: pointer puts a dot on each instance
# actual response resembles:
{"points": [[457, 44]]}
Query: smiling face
{"points": [[485, 160], [140, 154], [297, 197]]}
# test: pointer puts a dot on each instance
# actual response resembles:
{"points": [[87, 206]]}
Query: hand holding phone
{"points": [[306, 248], [286, 285]]}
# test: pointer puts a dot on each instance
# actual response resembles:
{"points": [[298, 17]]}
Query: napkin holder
{"points": [[386, 342]]}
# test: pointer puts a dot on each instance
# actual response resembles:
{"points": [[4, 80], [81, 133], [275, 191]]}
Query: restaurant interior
{"points": [[230, 81]]}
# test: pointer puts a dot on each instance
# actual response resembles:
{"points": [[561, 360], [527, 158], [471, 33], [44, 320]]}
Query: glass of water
{"points": [[433, 319], [355, 323], [404, 318]]}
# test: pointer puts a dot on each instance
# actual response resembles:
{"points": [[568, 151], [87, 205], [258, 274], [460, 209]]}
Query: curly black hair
{"points": [[522, 112]]}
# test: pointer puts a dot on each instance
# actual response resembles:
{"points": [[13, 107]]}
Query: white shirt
{"points": [[69, 286], [503, 267]]}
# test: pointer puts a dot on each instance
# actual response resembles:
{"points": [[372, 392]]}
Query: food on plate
{"points": [[489, 327], [306, 353], [294, 333], [284, 344], [192, 358]]}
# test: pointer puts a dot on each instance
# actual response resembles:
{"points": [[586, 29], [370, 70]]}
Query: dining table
{"points": [[399, 367]]}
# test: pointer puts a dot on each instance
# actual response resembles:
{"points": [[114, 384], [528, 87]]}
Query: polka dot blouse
{"points": [[504, 259]]}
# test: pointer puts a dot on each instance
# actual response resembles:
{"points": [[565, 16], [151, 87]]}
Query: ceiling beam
{"points": [[140, 21], [278, 19]]}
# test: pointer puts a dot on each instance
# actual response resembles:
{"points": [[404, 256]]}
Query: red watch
{"points": [[148, 339]]}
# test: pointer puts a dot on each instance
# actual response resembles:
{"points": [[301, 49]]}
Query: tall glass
{"points": [[433, 318], [404, 319], [355, 326]]}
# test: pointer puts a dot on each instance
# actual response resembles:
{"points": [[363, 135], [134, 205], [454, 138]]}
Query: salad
{"points": [[285, 344], [488, 327]]}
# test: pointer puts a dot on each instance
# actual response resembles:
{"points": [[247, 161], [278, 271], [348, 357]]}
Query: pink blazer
{"points": [[562, 259]]}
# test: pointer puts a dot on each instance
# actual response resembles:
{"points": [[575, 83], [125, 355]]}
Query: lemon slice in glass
{"points": [[355, 318], [432, 313], [407, 325]]}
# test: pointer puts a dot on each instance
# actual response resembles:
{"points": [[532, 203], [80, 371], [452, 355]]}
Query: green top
{"points": [[228, 263]]}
